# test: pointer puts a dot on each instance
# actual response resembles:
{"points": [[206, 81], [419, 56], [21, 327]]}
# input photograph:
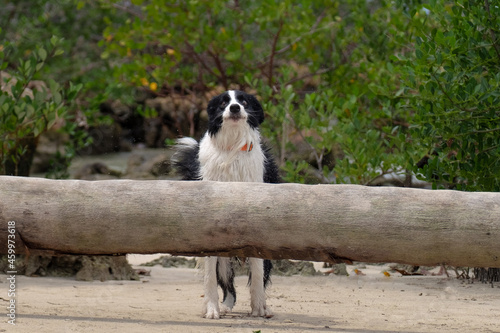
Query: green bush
{"points": [[27, 28], [452, 86], [26, 113]]}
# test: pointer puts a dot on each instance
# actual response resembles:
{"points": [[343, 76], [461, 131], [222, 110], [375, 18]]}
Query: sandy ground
{"points": [[170, 301]]}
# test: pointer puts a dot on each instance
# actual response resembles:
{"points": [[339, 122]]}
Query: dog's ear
{"points": [[213, 105], [214, 122], [258, 111]]}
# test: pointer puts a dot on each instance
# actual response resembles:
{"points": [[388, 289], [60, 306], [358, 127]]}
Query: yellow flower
{"points": [[170, 51], [144, 81], [153, 86]]}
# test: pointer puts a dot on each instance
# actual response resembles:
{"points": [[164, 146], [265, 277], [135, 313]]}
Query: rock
{"points": [[105, 268], [105, 139], [289, 267], [283, 267], [156, 133], [85, 268], [129, 122], [179, 115], [140, 166], [170, 261], [340, 269], [161, 165], [96, 171]]}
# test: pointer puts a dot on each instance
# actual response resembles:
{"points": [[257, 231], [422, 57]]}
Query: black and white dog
{"points": [[230, 151]]}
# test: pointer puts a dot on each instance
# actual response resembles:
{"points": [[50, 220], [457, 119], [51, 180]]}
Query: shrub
{"points": [[452, 84], [26, 113]]}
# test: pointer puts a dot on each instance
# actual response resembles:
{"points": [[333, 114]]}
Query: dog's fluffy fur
{"points": [[230, 151]]}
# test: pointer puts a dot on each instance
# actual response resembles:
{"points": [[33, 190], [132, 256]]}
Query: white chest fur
{"points": [[221, 162]]}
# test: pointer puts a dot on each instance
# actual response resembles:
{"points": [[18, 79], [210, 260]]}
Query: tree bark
{"points": [[276, 221]]}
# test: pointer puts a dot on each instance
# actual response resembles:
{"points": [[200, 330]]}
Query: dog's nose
{"points": [[234, 108]]}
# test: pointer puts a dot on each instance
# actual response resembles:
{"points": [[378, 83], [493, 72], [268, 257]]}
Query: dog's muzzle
{"points": [[234, 108], [235, 112]]}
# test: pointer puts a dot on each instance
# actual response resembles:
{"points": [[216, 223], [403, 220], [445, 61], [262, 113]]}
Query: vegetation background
{"points": [[355, 91]]}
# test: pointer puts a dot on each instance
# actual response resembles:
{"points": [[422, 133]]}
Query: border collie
{"points": [[230, 151]]}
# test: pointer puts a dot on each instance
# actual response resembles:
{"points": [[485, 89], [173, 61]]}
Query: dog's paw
{"points": [[261, 311], [225, 309], [212, 311]]}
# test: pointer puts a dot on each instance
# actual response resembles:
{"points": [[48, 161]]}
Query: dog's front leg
{"points": [[257, 290], [211, 300]]}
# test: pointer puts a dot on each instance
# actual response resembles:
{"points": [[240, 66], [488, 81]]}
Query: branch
{"points": [[128, 10], [370, 181], [221, 69], [318, 72], [201, 61], [480, 131], [322, 223], [319, 158], [273, 53], [298, 39], [433, 74], [492, 33]]}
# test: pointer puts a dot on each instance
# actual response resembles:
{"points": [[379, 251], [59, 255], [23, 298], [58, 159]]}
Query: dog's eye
{"points": [[244, 103], [223, 104]]}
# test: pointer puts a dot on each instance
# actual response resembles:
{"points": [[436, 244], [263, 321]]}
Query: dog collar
{"points": [[245, 147]]}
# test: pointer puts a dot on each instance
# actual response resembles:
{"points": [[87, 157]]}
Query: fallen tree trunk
{"points": [[309, 222]]}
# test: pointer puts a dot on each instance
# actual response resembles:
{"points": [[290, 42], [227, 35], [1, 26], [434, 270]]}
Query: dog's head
{"points": [[234, 108]]}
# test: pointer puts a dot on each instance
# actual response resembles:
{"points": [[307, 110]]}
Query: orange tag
{"points": [[245, 147]]}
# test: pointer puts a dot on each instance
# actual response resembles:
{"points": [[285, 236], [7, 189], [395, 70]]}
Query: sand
{"points": [[170, 301]]}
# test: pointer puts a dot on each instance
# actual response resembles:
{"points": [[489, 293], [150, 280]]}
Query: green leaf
{"points": [[39, 66], [233, 56], [53, 86], [56, 96], [27, 68], [51, 119], [42, 54], [439, 58], [54, 41]]}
